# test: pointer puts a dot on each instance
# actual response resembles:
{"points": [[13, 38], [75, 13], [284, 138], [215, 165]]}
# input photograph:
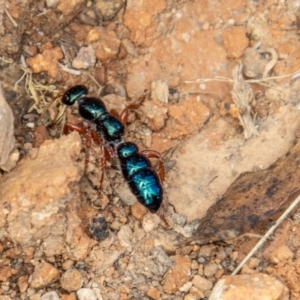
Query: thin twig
{"points": [[10, 17], [267, 235], [95, 81], [9, 61], [69, 70], [225, 79]]}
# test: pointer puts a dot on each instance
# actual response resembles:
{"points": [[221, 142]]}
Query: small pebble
{"points": [[115, 225], [51, 3], [219, 274], [185, 288], [150, 222], [125, 237], [221, 254], [71, 280], [194, 265], [34, 296], [198, 293], [206, 250], [202, 283], [86, 294], [67, 264], [210, 269], [30, 125], [12, 160], [27, 146], [234, 255], [23, 283], [191, 297], [201, 260], [154, 293], [50, 296], [85, 58], [99, 229], [160, 90], [231, 22], [201, 270], [138, 210], [43, 275], [253, 262]]}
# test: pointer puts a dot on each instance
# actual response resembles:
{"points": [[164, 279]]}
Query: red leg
{"points": [[155, 154], [95, 137], [88, 145], [162, 215], [107, 155], [73, 127], [114, 113], [124, 115], [91, 135]]}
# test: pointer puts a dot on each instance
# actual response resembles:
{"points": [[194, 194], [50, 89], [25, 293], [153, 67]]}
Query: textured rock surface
{"points": [[256, 287], [43, 275], [209, 162], [253, 200], [105, 43], [35, 195], [7, 129], [178, 275]]}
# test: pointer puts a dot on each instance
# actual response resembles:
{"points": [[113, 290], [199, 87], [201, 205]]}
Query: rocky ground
{"points": [[222, 99]]}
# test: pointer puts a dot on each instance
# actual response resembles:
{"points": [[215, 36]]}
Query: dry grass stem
{"points": [[242, 96], [268, 233]]}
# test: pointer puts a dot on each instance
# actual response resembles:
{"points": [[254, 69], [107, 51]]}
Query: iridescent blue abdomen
{"points": [[145, 185], [141, 178], [134, 163]]}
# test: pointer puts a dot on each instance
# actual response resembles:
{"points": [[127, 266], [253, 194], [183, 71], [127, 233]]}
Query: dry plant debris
{"points": [[7, 138], [252, 200], [242, 95]]}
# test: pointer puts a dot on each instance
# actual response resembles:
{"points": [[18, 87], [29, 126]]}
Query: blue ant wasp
{"points": [[136, 167]]}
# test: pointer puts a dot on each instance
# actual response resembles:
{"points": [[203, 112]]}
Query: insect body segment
{"points": [[143, 181], [91, 109], [111, 129], [141, 178], [94, 110], [74, 94]]}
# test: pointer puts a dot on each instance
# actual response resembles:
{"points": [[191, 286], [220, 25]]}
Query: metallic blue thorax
{"points": [[91, 108], [141, 178], [110, 128], [94, 110]]}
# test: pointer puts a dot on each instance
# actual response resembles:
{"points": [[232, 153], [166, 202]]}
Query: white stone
{"points": [[86, 294]]}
